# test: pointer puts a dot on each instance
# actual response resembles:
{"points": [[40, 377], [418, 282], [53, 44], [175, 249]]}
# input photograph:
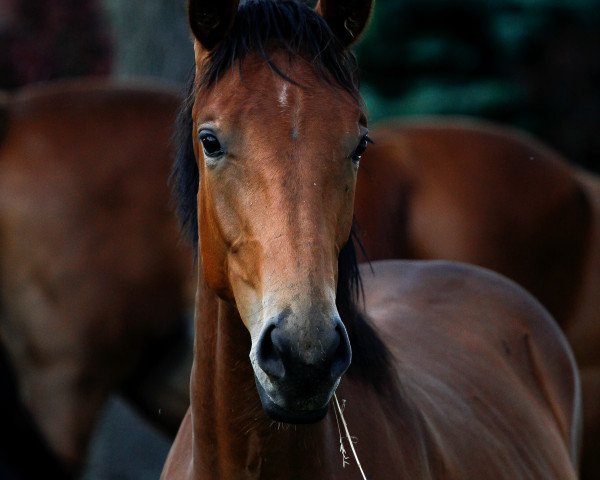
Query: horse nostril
{"points": [[343, 353], [325, 354], [268, 354]]}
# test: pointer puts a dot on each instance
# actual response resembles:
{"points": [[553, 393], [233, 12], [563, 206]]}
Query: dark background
{"points": [[534, 64]]}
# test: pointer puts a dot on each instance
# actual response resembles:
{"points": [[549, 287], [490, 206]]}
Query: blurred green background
{"points": [[530, 63], [534, 64]]}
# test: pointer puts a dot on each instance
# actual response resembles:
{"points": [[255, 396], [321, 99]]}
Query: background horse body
{"points": [[92, 281], [463, 190], [462, 374]]}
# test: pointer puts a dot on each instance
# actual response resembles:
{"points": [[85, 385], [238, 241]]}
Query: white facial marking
{"points": [[283, 95], [296, 109]]}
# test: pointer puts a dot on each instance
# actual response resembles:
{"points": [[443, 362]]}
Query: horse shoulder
{"points": [[467, 336]]}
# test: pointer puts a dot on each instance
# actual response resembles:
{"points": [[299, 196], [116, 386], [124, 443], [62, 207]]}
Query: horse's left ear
{"points": [[210, 20], [346, 18]]}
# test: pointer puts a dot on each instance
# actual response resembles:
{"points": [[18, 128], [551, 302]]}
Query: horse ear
{"points": [[346, 18], [210, 20]]}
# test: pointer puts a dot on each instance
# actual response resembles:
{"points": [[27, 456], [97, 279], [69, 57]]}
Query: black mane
{"points": [[288, 25], [260, 26]]}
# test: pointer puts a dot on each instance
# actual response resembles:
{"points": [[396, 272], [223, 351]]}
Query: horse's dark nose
{"points": [[286, 351]]}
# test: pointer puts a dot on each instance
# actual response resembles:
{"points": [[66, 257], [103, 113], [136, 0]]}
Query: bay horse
{"points": [[93, 282], [449, 371], [460, 189]]}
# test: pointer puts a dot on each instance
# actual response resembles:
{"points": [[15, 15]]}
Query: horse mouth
{"points": [[280, 414]]}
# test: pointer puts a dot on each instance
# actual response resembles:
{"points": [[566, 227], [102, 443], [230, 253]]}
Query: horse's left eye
{"points": [[211, 145], [360, 149]]}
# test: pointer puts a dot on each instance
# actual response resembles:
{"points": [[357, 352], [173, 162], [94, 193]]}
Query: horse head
{"points": [[278, 131]]}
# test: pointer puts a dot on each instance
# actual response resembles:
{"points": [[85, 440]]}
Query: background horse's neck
{"points": [[232, 434]]}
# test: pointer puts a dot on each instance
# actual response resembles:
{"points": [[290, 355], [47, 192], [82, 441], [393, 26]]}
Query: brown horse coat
{"points": [[460, 189], [456, 372], [482, 375], [91, 270]]}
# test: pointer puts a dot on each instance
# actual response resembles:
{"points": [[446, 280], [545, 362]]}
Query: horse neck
{"points": [[231, 433], [234, 439]]}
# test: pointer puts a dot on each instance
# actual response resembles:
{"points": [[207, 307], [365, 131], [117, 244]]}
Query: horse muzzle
{"points": [[298, 365]]}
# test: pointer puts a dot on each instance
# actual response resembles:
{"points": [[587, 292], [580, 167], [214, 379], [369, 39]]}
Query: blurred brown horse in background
{"points": [[466, 190], [93, 279]]}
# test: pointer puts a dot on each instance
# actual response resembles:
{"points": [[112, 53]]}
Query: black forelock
{"points": [[262, 26]]}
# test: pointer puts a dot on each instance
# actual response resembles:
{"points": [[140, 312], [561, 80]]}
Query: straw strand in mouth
{"points": [[348, 437]]}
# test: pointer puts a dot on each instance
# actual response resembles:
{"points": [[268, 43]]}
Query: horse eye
{"points": [[360, 149], [211, 145]]}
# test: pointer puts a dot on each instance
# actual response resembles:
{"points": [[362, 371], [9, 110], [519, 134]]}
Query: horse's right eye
{"points": [[211, 145], [361, 148]]}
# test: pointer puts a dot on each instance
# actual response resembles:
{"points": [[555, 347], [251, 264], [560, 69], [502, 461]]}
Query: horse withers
{"points": [[439, 370]]}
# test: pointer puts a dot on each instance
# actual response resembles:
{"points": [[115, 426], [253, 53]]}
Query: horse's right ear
{"points": [[210, 20]]}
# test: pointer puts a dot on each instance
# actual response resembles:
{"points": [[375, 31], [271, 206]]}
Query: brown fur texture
{"points": [[484, 384], [466, 190], [92, 275]]}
